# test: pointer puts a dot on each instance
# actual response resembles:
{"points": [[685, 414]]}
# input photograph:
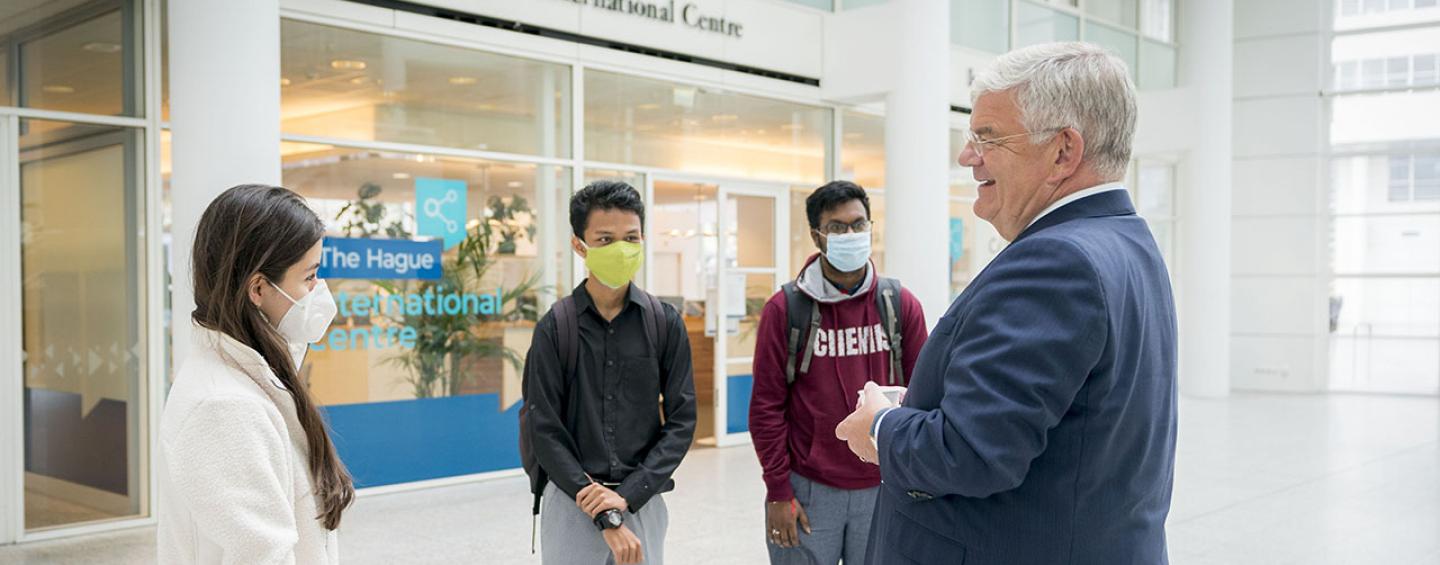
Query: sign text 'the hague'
{"points": [[359, 258], [689, 14]]}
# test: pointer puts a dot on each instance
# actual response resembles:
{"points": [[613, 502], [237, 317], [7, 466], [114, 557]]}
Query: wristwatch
{"points": [[609, 519]]}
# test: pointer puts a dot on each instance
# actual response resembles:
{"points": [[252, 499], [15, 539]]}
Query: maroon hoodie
{"points": [[793, 426]]}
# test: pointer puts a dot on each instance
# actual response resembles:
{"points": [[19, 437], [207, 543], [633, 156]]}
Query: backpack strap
{"points": [[804, 322], [567, 334], [887, 298], [656, 325]]}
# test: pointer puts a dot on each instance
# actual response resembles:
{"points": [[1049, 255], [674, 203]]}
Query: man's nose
{"points": [[969, 157]]}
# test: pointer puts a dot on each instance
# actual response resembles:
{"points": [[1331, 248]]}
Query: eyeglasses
{"points": [[837, 228], [974, 140]]}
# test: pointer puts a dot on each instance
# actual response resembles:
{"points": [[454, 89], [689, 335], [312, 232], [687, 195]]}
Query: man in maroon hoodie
{"points": [[819, 497]]}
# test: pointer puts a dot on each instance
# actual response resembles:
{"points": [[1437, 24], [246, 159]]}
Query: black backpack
{"points": [[567, 337], [805, 320]]}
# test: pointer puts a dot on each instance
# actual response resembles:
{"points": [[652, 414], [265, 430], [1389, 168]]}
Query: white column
{"points": [[917, 154], [1207, 37], [224, 119]]}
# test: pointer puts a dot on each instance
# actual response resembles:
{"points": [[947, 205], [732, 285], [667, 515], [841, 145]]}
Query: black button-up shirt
{"points": [[607, 421]]}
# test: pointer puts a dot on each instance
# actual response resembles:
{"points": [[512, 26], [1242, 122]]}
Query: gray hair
{"points": [[1077, 85]]}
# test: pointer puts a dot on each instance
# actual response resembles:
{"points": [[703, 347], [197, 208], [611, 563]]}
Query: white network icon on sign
{"points": [[432, 210]]}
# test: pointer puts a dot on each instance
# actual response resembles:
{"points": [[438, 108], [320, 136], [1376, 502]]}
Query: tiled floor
{"points": [[1263, 479]]}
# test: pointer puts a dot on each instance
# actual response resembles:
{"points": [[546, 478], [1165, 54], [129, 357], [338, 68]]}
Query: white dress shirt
{"points": [[1092, 191]]}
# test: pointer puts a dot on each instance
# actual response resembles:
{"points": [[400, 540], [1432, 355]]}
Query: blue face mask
{"points": [[848, 252]]}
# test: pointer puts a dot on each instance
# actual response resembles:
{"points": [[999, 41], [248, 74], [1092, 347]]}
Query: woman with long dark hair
{"points": [[248, 473]]}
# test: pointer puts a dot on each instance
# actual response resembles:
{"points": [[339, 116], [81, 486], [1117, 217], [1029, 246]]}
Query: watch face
{"points": [[613, 518]]}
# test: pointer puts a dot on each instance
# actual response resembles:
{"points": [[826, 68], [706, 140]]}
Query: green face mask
{"points": [[615, 264]]}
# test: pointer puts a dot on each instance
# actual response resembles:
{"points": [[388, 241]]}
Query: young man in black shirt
{"points": [[609, 396]]}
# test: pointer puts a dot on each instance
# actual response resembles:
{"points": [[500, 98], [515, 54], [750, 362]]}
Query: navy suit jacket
{"points": [[1040, 422]]}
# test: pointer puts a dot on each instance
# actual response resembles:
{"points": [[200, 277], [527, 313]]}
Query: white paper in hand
{"points": [[896, 394]]}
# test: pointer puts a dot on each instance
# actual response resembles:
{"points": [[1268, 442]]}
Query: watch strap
{"points": [[603, 523]]}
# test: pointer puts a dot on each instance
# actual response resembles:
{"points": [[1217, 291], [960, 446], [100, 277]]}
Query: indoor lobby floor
{"points": [[1262, 479]]}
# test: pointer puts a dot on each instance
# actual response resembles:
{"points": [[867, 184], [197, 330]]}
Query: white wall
{"points": [[1279, 306]]}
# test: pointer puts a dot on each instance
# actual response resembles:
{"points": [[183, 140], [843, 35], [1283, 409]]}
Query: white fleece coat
{"points": [[234, 483]]}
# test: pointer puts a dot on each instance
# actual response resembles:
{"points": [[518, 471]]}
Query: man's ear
{"points": [[1071, 152], [578, 246], [819, 241]]}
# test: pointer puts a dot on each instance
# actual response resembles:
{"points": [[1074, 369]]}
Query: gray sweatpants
{"points": [[569, 537], [839, 525]]}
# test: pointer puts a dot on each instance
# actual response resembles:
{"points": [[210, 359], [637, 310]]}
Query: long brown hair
{"points": [[256, 229]]}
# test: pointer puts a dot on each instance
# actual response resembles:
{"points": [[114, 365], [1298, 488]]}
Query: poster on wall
{"points": [[419, 374], [957, 239]]}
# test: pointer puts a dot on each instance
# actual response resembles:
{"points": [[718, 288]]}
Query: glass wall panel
{"points": [[1155, 190], [1158, 19], [1387, 307], [1387, 244], [755, 247], [82, 318], [1360, 14], [1386, 335], [1121, 43], [1157, 65], [1154, 197], [356, 85], [1038, 24], [981, 24], [1383, 184], [1385, 198], [640, 121], [862, 149], [71, 55], [1387, 59], [429, 369], [1123, 12]]}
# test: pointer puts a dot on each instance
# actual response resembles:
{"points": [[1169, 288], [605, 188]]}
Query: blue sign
{"points": [[440, 209], [957, 239], [347, 258]]}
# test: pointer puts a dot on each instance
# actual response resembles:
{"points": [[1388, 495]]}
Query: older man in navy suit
{"points": [[1039, 426]]}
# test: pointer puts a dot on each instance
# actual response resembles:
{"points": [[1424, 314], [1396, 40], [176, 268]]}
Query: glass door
{"points": [[681, 270], [714, 252], [749, 273], [74, 217]]}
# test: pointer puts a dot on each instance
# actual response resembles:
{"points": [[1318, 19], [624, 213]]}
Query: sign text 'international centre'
{"points": [[689, 14]]}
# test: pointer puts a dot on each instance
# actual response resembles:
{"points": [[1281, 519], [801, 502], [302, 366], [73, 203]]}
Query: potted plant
{"points": [[505, 218], [364, 216]]}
